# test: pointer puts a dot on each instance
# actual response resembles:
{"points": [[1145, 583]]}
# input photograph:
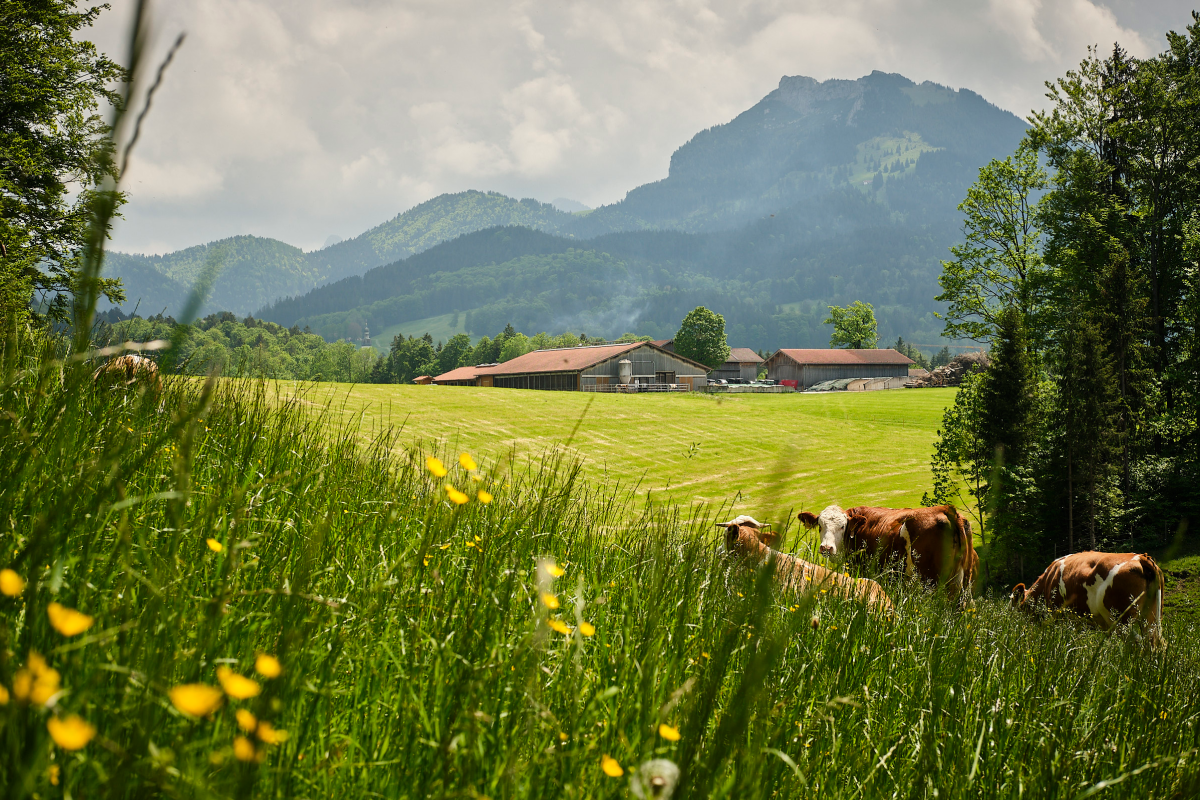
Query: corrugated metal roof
{"points": [[462, 374], [743, 355], [851, 357]]}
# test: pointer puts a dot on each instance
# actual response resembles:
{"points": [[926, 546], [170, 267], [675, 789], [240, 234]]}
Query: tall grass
{"points": [[418, 654]]}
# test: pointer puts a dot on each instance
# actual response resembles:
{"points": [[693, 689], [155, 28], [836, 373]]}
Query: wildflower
{"points": [[70, 733], [668, 733], [268, 735], [587, 629], [467, 463], [243, 749], [561, 627], [68, 621], [214, 545], [706, 655], [11, 583], [36, 681], [52, 773], [555, 570], [610, 766], [3, 696], [195, 699], [435, 466], [655, 780], [549, 600], [239, 687], [268, 666], [246, 721], [484, 497], [456, 497]]}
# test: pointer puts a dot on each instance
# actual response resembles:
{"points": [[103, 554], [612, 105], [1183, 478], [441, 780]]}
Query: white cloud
{"points": [[301, 118]]}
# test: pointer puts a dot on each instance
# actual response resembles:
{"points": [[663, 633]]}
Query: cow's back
{"points": [[931, 542]]}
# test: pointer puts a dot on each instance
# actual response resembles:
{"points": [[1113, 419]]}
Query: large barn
{"points": [[808, 367], [742, 364], [595, 368]]}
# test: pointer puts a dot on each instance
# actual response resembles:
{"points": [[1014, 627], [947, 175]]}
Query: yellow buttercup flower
{"points": [[68, 621], [561, 627], [668, 733], [239, 687], [214, 545], [587, 629], [456, 497], [36, 681], [11, 583], [268, 666], [3, 696], [610, 766], [268, 735], [243, 749], [196, 699], [555, 570], [549, 600], [484, 497], [70, 733], [467, 463], [246, 721], [435, 466]]}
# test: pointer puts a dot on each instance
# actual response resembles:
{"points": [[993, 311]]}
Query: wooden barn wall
{"points": [[809, 374], [646, 363]]}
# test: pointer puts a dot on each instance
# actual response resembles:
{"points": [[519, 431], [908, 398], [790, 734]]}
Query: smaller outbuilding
{"points": [[804, 368], [743, 363]]}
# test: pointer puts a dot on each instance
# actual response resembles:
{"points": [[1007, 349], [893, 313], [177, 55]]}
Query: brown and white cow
{"points": [[931, 543], [746, 538], [1106, 588], [128, 369]]}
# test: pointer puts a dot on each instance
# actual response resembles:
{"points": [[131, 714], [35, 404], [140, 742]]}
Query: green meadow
{"points": [[551, 628], [760, 454]]}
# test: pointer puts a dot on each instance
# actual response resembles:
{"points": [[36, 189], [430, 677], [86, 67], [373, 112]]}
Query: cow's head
{"points": [[833, 523], [749, 541], [1017, 598]]}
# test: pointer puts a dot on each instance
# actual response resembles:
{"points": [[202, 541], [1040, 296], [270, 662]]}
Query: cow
{"points": [[746, 539], [933, 543], [1106, 588], [128, 369]]}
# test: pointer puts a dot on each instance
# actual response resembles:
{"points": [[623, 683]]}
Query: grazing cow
{"points": [[932, 543], [745, 538], [1106, 588], [128, 369]]}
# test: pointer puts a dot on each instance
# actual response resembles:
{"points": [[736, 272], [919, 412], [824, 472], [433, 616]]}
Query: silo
{"points": [[625, 370]]}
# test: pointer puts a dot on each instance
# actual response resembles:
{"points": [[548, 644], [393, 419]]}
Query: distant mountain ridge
{"points": [[823, 192]]}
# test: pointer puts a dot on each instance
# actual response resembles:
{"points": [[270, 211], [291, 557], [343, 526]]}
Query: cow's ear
{"points": [[808, 519], [1018, 595], [769, 538], [853, 521]]}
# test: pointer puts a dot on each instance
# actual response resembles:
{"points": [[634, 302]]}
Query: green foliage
{"points": [[701, 337], [853, 326], [408, 358], [51, 137], [431, 629], [1007, 394], [941, 358], [999, 265], [961, 457]]}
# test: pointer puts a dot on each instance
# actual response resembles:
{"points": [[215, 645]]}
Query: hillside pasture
{"points": [[540, 640], [758, 454]]}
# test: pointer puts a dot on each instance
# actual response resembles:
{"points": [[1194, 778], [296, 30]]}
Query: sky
{"points": [[302, 119]]}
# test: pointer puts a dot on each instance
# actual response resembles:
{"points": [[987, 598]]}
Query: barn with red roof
{"points": [[809, 367]]}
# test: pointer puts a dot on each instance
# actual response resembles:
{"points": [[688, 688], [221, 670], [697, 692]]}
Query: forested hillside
{"points": [[255, 271]]}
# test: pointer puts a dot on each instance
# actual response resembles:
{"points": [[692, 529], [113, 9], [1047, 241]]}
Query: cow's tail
{"points": [[1152, 602], [960, 564]]}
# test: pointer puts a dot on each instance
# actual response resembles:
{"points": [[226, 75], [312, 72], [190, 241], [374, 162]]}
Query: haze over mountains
{"points": [[823, 192]]}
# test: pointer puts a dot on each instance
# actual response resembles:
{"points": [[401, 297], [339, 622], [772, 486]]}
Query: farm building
{"points": [[809, 367], [594, 368], [743, 363]]}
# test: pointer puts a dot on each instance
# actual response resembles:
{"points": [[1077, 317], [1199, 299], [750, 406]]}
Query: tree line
{"points": [[1079, 269]]}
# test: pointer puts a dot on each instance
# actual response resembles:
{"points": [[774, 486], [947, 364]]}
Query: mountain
{"points": [[822, 193], [256, 271]]}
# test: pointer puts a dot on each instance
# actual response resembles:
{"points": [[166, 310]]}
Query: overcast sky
{"points": [[299, 119]]}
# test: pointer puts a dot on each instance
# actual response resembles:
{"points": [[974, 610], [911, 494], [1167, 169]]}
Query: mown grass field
{"points": [[545, 639], [764, 453]]}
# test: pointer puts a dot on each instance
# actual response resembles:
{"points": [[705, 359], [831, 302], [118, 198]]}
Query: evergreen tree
{"points": [[1008, 391]]}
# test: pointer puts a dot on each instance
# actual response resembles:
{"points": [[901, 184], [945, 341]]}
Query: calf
{"points": [[932, 543], [1106, 588], [746, 540], [128, 369]]}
